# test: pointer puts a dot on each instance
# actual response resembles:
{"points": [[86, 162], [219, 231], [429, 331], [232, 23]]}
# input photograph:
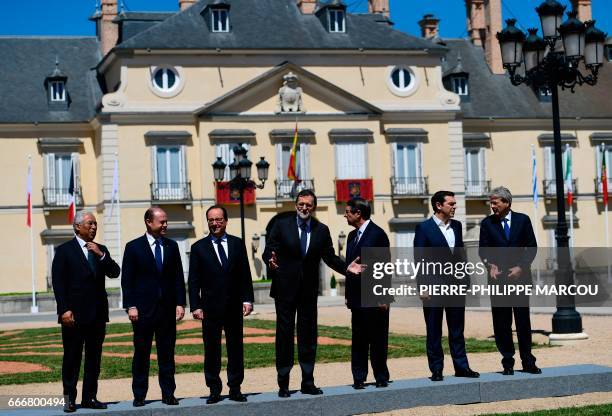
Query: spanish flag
{"points": [[292, 169]]}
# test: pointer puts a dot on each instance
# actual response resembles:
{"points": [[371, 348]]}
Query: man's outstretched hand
{"points": [[355, 267]]}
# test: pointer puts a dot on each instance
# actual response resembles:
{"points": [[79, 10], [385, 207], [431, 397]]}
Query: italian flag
{"points": [[604, 177], [292, 169], [568, 176]]}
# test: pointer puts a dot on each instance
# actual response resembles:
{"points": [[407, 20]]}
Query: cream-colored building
{"points": [[383, 114]]}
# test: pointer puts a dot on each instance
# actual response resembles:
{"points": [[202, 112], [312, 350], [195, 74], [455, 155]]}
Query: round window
{"points": [[165, 79], [402, 78]]}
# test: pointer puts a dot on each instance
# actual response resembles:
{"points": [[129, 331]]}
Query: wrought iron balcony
{"points": [[288, 189], [550, 188], [60, 197], [477, 189], [599, 187], [179, 191], [409, 187]]}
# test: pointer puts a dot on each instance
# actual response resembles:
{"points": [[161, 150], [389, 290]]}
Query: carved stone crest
{"points": [[290, 95]]}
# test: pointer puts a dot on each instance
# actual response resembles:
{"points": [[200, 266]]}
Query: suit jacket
{"points": [[77, 287], [299, 275], [143, 285], [215, 289], [373, 236], [430, 245], [522, 242]]}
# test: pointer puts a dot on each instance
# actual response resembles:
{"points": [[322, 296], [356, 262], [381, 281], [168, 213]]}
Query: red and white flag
{"points": [[71, 191], [29, 194]]}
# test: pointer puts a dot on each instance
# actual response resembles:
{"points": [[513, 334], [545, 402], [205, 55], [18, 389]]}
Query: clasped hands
{"points": [[514, 273]]}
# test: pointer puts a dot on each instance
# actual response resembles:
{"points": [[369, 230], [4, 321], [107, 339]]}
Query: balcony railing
{"points": [[550, 188], [288, 189], [406, 187], [60, 197], [179, 191], [599, 187], [477, 189]]}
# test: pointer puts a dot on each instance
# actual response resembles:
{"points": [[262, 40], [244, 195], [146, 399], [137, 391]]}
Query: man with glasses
{"points": [[295, 247], [220, 294]]}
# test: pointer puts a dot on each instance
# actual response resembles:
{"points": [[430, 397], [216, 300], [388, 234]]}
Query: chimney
{"points": [[484, 20], [429, 26], [307, 6], [583, 7], [379, 6], [184, 4], [109, 31]]}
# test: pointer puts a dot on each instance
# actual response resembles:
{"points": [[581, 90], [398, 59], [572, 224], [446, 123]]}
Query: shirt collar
{"points": [[363, 227], [300, 221], [151, 239], [223, 238], [80, 241], [508, 217], [439, 222]]}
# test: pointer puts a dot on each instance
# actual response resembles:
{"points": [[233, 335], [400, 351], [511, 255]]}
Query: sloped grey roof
{"points": [[493, 95], [25, 64], [273, 24], [132, 23]]}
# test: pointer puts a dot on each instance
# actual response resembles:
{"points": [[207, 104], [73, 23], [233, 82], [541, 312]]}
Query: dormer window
{"points": [[609, 52], [57, 91], [460, 85], [220, 19], [337, 22]]}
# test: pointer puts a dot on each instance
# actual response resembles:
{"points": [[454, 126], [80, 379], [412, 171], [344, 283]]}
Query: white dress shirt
{"points": [[308, 223], [361, 230], [151, 240], [446, 230], [509, 220], [224, 244], [83, 245]]}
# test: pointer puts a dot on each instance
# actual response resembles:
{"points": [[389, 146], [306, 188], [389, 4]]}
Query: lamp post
{"points": [[553, 62], [240, 175]]}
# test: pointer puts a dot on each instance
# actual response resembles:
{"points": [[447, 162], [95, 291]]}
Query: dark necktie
{"points": [[304, 238], [91, 259], [222, 254], [158, 256], [506, 228]]}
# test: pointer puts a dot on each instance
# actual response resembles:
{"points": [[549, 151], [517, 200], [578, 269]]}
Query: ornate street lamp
{"points": [[240, 175], [554, 62]]}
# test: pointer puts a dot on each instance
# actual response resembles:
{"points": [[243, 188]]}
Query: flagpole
{"points": [[604, 187], [570, 187], [115, 199], [34, 307], [535, 206]]}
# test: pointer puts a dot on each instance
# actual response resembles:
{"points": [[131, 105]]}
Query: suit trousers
{"points": [[73, 339], [370, 333], [162, 326], [502, 327], [212, 325], [455, 321], [306, 310]]}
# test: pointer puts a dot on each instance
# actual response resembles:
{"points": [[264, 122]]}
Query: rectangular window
{"points": [[351, 160], [170, 176], [460, 85], [226, 152], [404, 238], [608, 155], [475, 176], [336, 21], [58, 91], [550, 187], [57, 181], [285, 186], [220, 20], [407, 169]]}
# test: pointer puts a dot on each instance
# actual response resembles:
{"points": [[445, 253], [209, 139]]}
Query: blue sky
{"points": [[69, 17]]}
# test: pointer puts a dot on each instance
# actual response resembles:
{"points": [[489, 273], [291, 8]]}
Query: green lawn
{"points": [[595, 410], [48, 340]]}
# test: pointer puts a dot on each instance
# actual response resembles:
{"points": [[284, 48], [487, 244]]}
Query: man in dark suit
{"points": [[369, 325], [440, 240], [154, 298], [294, 249], [220, 294], [77, 273], [511, 230]]}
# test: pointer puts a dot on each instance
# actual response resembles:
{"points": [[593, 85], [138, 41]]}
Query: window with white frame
{"points": [[165, 79], [58, 171], [599, 157], [57, 91], [337, 21], [402, 78], [286, 186], [460, 85], [220, 20], [404, 238], [169, 172], [351, 161], [475, 174], [226, 152], [407, 166], [549, 168]]}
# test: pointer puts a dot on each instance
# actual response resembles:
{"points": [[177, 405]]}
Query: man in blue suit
{"points": [[442, 231], [509, 229], [369, 325]]}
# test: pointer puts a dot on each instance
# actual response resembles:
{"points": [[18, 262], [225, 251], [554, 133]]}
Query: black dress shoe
{"points": [[508, 371], [138, 402], [237, 396], [359, 385], [532, 369], [437, 375], [283, 393], [213, 398], [70, 407], [313, 390], [467, 372], [381, 384], [93, 404], [170, 401]]}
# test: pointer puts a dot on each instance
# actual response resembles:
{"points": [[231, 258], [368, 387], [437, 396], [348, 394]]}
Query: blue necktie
{"points": [[506, 228], [158, 256], [222, 254], [304, 238], [91, 259]]}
